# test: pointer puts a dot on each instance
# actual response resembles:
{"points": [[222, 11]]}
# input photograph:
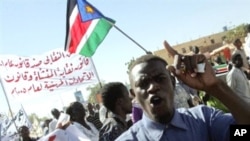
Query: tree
{"points": [[128, 64], [36, 121], [237, 32], [94, 89], [212, 101]]}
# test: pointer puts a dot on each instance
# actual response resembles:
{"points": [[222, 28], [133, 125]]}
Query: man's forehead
{"points": [[148, 69], [147, 66], [138, 68]]}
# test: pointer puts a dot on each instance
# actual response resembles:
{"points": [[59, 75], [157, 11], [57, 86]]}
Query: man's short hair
{"points": [[234, 57], [236, 41], [73, 108], [55, 112], [22, 127], [147, 58], [110, 93]]}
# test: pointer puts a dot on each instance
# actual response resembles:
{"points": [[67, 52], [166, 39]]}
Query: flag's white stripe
{"points": [[68, 41], [73, 15], [72, 18], [87, 34]]}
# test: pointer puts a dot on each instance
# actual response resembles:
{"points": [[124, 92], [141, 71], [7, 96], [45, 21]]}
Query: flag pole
{"points": [[11, 114], [146, 51], [96, 72]]}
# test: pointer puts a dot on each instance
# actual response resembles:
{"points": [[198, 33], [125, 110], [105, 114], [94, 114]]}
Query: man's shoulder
{"points": [[111, 124], [236, 51], [109, 121], [196, 110], [136, 127], [133, 132], [54, 121], [234, 72], [203, 112], [111, 129]]}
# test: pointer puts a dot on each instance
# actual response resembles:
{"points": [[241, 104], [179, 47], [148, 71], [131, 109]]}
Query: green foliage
{"points": [[214, 102], [94, 89], [32, 117], [128, 64], [237, 32]]}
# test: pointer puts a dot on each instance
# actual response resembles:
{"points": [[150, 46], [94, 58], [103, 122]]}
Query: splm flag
{"points": [[86, 27]]}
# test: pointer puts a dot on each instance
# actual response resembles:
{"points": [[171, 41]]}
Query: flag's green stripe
{"points": [[96, 37]]}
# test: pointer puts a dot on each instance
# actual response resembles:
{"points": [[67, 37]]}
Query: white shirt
{"points": [[237, 80], [247, 44], [104, 113], [71, 133], [52, 125], [92, 134]]}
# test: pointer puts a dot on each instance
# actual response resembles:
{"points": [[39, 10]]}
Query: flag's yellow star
{"points": [[89, 9]]}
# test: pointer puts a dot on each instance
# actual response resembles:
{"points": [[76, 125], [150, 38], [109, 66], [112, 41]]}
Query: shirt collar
{"points": [[120, 119], [157, 129], [152, 127], [177, 121]]}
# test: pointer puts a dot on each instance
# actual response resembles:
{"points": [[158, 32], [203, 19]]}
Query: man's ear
{"points": [[173, 80], [119, 102]]}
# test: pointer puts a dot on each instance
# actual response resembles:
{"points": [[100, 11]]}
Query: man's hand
{"points": [[186, 69]]}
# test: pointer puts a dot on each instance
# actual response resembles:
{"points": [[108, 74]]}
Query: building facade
{"points": [[205, 44]]}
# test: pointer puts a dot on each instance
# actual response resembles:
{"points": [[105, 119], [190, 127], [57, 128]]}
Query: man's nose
{"points": [[153, 87]]}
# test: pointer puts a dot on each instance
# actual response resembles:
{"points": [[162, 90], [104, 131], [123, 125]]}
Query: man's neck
{"points": [[121, 119], [166, 119], [121, 114]]}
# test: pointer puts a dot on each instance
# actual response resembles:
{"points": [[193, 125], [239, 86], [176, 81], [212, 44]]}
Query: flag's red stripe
{"points": [[77, 31], [222, 70], [71, 4]]}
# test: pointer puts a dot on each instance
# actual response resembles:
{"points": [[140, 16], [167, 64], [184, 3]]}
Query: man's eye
{"points": [[160, 78], [144, 83]]}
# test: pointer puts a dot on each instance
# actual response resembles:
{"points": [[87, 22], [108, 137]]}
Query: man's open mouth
{"points": [[155, 100]]}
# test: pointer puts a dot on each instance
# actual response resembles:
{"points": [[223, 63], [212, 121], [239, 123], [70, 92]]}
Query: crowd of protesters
{"points": [[163, 103]]}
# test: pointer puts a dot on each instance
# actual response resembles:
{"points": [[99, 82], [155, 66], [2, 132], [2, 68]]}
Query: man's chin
{"points": [[163, 116]]}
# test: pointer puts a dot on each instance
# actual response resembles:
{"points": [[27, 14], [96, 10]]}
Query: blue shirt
{"points": [[200, 123]]}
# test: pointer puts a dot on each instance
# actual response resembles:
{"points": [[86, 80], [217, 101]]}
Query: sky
{"points": [[34, 27]]}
